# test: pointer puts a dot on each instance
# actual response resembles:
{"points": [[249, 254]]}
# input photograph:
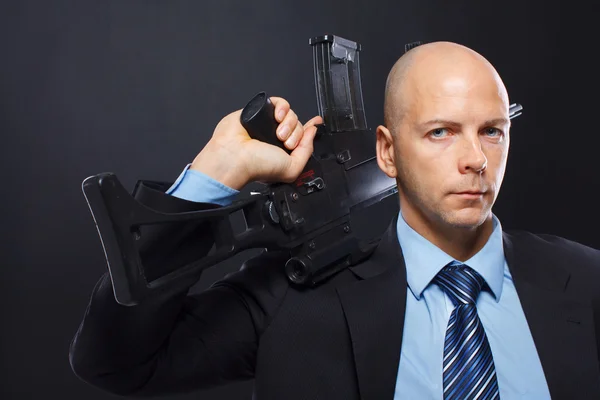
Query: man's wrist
{"points": [[221, 167]]}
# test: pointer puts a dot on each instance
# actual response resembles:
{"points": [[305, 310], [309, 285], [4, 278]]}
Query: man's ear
{"points": [[385, 151]]}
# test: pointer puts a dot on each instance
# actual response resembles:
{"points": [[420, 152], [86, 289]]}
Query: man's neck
{"points": [[461, 243]]}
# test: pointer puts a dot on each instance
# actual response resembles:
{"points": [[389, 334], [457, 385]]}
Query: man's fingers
{"points": [[294, 138], [281, 107], [302, 152], [314, 121], [287, 126]]}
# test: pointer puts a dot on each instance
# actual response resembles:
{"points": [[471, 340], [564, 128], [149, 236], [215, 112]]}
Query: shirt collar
{"points": [[424, 260]]}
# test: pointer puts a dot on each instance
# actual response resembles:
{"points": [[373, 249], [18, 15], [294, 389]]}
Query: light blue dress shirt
{"points": [[195, 186], [428, 308]]}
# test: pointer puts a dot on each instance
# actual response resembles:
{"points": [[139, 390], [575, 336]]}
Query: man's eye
{"points": [[492, 131], [439, 132]]}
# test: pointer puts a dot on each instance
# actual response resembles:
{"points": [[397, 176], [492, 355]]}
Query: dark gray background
{"points": [[136, 88]]}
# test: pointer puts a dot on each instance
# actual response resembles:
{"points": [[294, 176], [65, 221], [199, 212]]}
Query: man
{"points": [[449, 306]]}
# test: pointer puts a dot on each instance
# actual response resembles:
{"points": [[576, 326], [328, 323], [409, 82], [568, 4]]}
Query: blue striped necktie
{"points": [[469, 371]]}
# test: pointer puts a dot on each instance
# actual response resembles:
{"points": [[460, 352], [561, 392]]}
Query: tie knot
{"points": [[460, 282]]}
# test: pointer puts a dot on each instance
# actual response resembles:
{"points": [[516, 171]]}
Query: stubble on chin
{"points": [[466, 218]]}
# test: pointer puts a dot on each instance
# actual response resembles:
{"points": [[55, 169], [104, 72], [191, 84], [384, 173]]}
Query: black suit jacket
{"points": [[341, 340]]}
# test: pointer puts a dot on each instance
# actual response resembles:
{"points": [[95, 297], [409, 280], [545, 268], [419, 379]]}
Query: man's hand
{"points": [[233, 158]]}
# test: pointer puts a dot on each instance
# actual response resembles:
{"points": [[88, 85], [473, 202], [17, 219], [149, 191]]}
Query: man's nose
{"points": [[472, 158]]}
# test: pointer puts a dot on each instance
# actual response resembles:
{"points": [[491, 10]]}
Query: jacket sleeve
{"points": [[177, 343]]}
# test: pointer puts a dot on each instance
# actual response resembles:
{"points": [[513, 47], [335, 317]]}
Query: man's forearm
{"points": [[114, 345]]}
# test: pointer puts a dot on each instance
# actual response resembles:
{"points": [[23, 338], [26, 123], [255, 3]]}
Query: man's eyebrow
{"points": [[496, 121], [437, 121]]}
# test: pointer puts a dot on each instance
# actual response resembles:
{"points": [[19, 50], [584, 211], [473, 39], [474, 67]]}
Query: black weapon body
{"points": [[311, 219]]}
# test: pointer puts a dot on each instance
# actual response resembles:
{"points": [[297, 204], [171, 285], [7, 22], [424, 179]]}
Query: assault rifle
{"points": [[311, 219]]}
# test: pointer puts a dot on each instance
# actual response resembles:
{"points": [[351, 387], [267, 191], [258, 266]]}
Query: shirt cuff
{"points": [[196, 186]]}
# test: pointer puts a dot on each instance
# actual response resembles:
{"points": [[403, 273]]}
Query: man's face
{"points": [[453, 138]]}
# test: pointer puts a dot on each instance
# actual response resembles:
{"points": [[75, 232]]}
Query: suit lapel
{"points": [[374, 310], [562, 327]]}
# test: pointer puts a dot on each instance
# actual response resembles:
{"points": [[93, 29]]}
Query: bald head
{"points": [[445, 140], [432, 69]]}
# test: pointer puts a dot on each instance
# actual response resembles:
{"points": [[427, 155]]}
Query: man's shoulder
{"points": [[266, 272], [554, 241], [263, 272], [570, 254]]}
